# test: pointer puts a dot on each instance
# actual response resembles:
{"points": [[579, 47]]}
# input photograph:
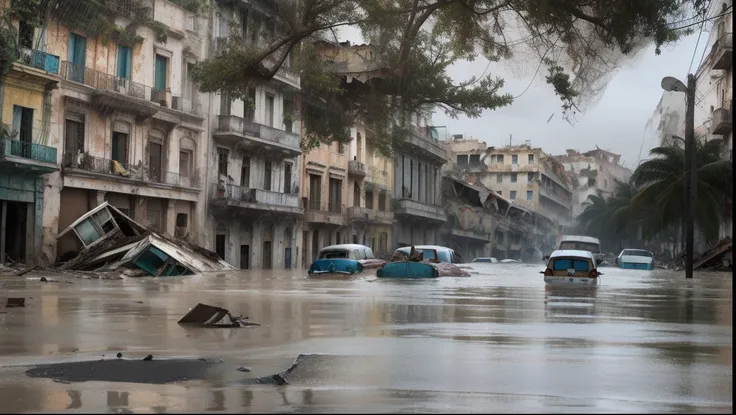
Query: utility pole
{"points": [[692, 176], [691, 163]]}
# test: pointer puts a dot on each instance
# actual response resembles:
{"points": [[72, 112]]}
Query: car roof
{"points": [[437, 247], [349, 247], [636, 249], [579, 238], [571, 253]]}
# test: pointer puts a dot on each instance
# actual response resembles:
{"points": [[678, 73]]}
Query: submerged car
{"points": [[344, 259], [635, 259], [571, 267], [416, 261], [485, 259]]}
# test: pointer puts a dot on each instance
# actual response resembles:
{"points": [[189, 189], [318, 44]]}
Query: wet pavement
{"points": [[499, 341]]}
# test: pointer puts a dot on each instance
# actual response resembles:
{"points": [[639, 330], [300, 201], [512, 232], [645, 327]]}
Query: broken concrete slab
{"points": [[16, 302], [159, 371], [210, 316]]}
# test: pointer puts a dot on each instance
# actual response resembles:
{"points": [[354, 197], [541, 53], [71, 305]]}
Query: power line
{"points": [[700, 33]]}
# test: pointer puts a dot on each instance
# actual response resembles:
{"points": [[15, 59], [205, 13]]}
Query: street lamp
{"points": [[671, 84]]}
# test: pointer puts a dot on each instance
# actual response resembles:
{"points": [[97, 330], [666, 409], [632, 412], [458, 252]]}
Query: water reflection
{"points": [[456, 344]]}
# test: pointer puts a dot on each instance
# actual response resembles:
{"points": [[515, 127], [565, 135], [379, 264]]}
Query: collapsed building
{"points": [[105, 239]]}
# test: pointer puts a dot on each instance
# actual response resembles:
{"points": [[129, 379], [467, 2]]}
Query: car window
{"points": [[333, 254], [482, 260], [582, 246], [563, 264], [369, 254]]}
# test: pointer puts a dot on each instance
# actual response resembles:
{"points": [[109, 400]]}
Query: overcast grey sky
{"points": [[616, 123]]}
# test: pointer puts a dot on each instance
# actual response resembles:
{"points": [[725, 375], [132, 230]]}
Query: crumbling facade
{"points": [[254, 163], [527, 176], [593, 172]]}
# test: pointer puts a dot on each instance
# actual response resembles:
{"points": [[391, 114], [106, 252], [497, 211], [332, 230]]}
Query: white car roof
{"points": [[347, 247], [571, 253], [578, 238], [437, 247]]}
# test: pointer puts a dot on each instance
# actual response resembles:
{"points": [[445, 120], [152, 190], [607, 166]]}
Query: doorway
{"points": [[13, 221], [220, 246], [244, 256], [287, 248], [267, 255], [315, 244]]}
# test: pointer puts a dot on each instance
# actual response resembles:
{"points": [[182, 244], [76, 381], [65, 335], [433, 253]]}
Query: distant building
{"points": [[666, 122], [526, 176], [592, 172]]}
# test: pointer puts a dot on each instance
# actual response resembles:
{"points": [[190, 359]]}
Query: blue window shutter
{"points": [[160, 78], [123, 62]]}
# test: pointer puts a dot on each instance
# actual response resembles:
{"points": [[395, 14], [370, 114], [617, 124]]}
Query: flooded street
{"points": [[498, 341]]}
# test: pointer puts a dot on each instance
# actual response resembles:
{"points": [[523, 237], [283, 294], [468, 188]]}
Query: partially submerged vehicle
{"points": [[569, 266], [581, 243], [347, 259], [413, 266], [416, 261], [635, 259], [491, 260]]}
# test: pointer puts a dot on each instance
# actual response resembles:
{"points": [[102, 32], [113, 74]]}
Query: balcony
{"points": [[364, 215], [356, 168], [76, 163], [232, 199], [721, 121], [419, 142], [474, 235], [333, 216], [257, 138], [41, 65], [418, 211], [27, 158], [558, 197], [186, 106], [721, 53], [111, 92]]}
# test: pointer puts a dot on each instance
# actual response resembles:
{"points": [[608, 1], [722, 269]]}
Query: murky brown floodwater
{"points": [[497, 341]]}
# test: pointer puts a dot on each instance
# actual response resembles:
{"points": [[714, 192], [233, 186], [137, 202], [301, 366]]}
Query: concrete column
{"points": [[256, 247], [99, 198], [170, 217], [3, 216]]}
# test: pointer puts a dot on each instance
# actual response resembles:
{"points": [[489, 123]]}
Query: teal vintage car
{"points": [[412, 268], [345, 259]]}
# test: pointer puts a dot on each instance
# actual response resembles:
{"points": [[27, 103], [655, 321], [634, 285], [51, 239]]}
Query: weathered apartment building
{"points": [[254, 163], [481, 222], [593, 172], [714, 83], [346, 197], [406, 192], [526, 176], [118, 109]]}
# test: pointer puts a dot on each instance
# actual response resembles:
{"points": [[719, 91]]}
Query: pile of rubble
{"points": [[105, 240], [718, 257]]}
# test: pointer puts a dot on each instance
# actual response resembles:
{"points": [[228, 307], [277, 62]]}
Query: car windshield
{"points": [[582, 246], [637, 252], [482, 260]]}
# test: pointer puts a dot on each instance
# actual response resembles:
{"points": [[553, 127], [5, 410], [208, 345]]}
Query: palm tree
{"points": [[662, 194], [595, 217], [625, 217]]}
